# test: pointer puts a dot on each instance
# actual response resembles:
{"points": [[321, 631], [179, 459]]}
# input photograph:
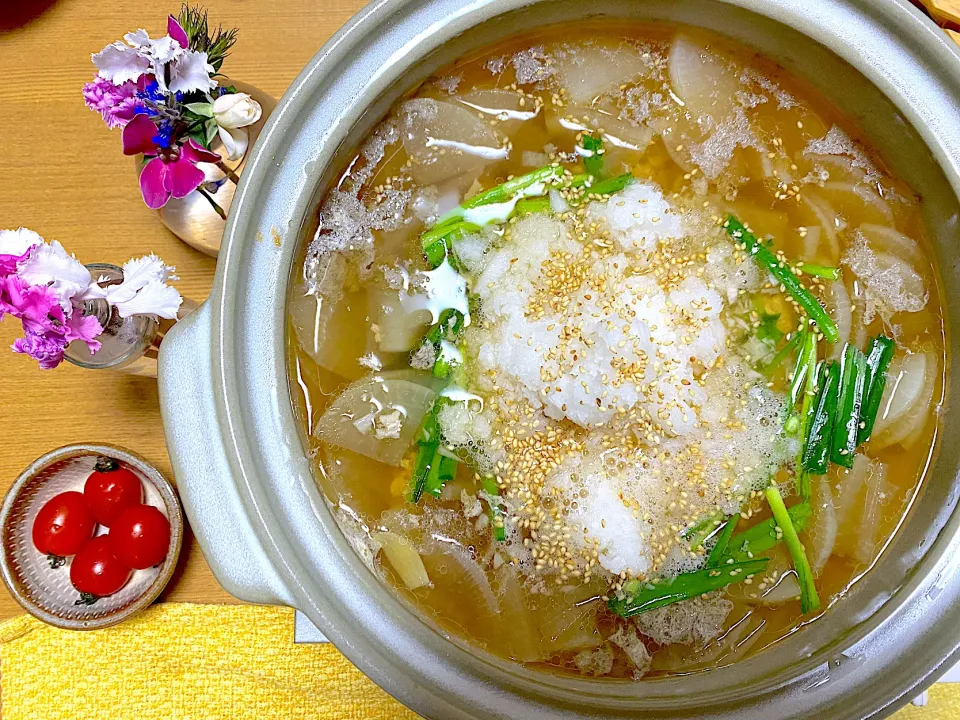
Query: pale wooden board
{"points": [[62, 174], [945, 12]]}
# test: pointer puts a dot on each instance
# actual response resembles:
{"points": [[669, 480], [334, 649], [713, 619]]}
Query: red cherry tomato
{"points": [[110, 490], [141, 536], [96, 570], [63, 525]]}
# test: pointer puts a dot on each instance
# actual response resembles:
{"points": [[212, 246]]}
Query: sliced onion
{"points": [[754, 632], [444, 140], [842, 312], [811, 243], [702, 79], [516, 620], [403, 558], [887, 239], [850, 488], [823, 534], [467, 572], [821, 213], [878, 491], [726, 642], [857, 199], [906, 398], [911, 284], [915, 417], [785, 589], [350, 420]]}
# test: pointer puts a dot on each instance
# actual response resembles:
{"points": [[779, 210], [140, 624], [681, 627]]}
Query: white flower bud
{"points": [[236, 110]]}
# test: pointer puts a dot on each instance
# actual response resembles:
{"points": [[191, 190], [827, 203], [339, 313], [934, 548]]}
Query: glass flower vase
{"points": [[129, 345], [193, 219]]}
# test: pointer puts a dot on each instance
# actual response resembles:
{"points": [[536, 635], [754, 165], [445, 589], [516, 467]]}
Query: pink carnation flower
{"points": [[45, 349], [47, 330], [116, 103]]}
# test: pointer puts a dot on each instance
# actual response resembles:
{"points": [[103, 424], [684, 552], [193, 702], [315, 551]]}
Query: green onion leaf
{"points": [[723, 541], [428, 444], [820, 271], [816, 451], [529, 206], [593, 157], [809, 600], [769, 368], [439, 239], [503, 192], [766, 259], [879, 355], [763, 536], [642, 597], [846, 429], [496, 513], [698, 533]]}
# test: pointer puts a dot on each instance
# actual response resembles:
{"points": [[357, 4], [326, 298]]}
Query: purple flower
{"points": [[47, 331], [116, 103], [170, 172], [36, 305], [45, 348]]}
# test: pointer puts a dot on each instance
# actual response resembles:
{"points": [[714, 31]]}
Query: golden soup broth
{"points": [[784, 164]]}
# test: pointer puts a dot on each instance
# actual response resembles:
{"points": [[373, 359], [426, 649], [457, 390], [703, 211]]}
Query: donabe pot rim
{"points": [[858, 677]]}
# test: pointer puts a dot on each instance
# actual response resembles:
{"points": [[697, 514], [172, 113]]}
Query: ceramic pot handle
{"points": [[204, 476]]}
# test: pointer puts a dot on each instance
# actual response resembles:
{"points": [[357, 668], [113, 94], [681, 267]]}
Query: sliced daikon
{"points": [[509, 108], [593, 70], [317, 320], [397, 329], [705, 81], [443, 140], [379, 415]]}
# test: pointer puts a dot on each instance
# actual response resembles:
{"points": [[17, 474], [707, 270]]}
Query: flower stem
{"points": [[229, 173], [213, 203]]}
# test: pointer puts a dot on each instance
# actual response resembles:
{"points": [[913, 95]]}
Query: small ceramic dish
{"points": [[45, 592]]}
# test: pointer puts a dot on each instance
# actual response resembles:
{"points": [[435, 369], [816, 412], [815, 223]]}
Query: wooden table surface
{"points": [[63, 175]]}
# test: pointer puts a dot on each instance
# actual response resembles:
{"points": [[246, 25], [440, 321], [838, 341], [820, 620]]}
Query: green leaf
{"points": [[203, 109], [212, 130], [199, 134]]}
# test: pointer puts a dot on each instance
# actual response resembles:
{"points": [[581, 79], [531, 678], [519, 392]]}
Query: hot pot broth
{"points": [[547, 410]]}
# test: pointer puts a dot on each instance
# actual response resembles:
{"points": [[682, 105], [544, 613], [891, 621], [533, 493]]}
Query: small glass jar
{"points": [[130, 345]]}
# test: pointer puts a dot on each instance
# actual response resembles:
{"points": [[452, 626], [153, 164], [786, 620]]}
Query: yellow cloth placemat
{"points": [[212, 662], [183, 662]]}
